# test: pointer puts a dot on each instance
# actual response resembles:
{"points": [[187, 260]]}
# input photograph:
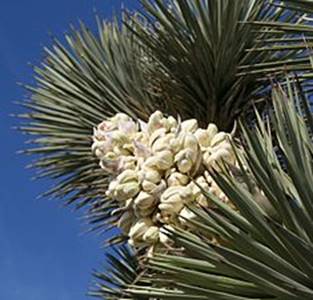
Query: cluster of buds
{"points": [[158, 168]]}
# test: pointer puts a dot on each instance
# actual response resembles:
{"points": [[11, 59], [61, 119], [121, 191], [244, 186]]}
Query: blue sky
{"points": [[43, 253]]}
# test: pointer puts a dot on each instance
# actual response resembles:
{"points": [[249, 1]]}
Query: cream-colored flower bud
{"points": [[140, 149], [141, 137], [99, 149], [126, 186], [189, 125], [127, 176], [126, 190], [102, 147], [161, 161], [129, 127], [185, 160], [110, 156], [112, 186], [138, 230], [212, 131], [167, 123], [98, 136], [154, 188], [157, 134], [177, 179], [169, 172], [213, 159], [175, 145], [118, 138], [219, 138], [144, 213], [127, 163], [172, 123], [154, 122], [144, 201], [119, 118], [148, 186], [163, 143], [127, 148], [186, 194], [151, 175], [185, 165], [171, 205], [98, 152], [171, 201], [120, 151], [203, 137], [109, 165], [191, 142], [226, 144], [105, 126], [186, 215], [167, 159], [151, 235], [160, 188], [152, 162]]}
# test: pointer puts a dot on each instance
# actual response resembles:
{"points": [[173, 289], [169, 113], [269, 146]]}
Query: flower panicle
{"points": [[157, 168]]}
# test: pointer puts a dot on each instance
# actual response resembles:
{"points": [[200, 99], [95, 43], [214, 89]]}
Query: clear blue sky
{"points": [[43, 254]]}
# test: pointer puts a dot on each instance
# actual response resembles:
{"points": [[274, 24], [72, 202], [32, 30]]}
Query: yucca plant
{"points": [[142, 66], [207, 59]]}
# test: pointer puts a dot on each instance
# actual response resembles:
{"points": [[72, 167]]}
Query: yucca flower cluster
{"points": [[157, 169]]}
